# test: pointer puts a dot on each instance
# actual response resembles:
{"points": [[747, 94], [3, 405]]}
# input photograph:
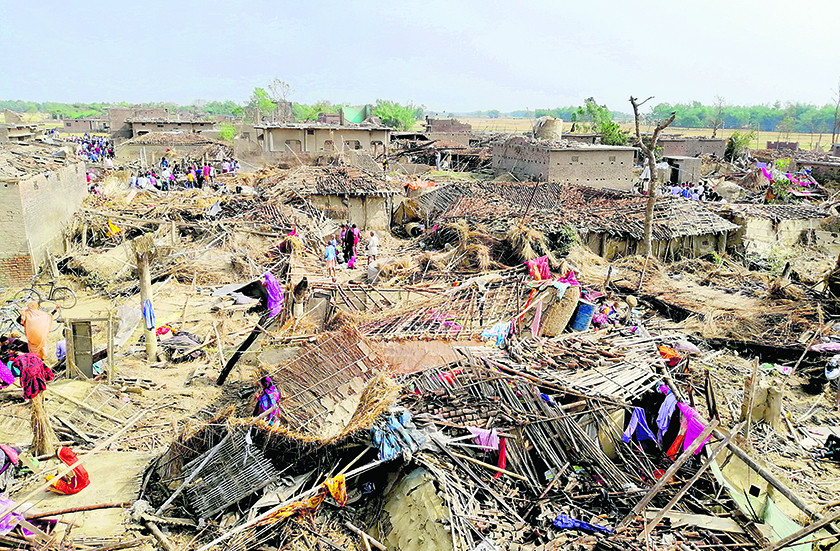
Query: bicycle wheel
{"points": [[27, 295], [64, 297]]}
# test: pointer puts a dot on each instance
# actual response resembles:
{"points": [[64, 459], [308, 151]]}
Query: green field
{"points": [[806, 141]]}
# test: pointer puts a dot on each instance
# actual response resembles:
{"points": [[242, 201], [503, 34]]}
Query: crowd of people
{"points": [[167, 175], [343, 248], [94, 148], [696, 192]]}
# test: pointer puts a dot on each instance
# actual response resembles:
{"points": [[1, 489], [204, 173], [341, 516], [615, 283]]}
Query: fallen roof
{"points": [[173, 138], [553, 206], [19, 160], [776, 213], [330, 180]]}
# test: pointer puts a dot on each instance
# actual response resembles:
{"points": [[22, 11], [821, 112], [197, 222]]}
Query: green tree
{"points": [[227, 132], [395, 115], [599, 118]]}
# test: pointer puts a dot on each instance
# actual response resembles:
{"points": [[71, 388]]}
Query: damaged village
{"points": [[356, 330]]}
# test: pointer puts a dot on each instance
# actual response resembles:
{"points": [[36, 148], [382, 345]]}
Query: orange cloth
{"points": [[36, 325], [70, 483], [336, 487]]}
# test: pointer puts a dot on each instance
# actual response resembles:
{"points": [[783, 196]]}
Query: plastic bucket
{"points": [[584, 316]]}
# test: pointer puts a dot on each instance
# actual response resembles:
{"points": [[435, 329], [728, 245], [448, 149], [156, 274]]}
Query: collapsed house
{"points": [[149, 148], [762, 227], [41, 187], [342, 193], [611, 223]]}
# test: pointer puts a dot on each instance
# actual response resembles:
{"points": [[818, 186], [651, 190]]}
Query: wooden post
{"points": [[173, 230], [751, 397], [84, 235], [687, 486], [112, 364], [70, 351], [146, 294]]}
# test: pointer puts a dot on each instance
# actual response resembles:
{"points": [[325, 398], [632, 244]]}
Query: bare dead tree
{"points": [[836, 126], [648, 150], [717, 117]]}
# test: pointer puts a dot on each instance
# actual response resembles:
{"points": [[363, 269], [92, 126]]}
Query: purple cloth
{"points": [[8, 523], [6, 377], [694, 427], [638, 425], [275, 293], [487, 439]]}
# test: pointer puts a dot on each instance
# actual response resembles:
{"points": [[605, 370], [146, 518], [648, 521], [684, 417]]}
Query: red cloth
{"points": [[70, 483], [502, 456], [538, 268], [34, 375]]}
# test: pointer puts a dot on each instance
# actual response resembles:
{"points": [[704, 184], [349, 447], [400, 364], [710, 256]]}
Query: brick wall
{"points": [[48, 202], [15, 270]]}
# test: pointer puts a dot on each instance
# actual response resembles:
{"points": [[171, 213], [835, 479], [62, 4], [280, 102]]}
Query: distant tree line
{"points": [[261, 102]]}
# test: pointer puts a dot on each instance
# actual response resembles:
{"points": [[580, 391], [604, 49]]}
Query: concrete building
{"points": [[684, 170], [288, 139], [681, 146], [142, 126], [41, 188], [781, 146], [88, 125], [598, 166]]}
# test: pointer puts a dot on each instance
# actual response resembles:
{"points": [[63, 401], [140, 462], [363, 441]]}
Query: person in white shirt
{"points": [[372, 247]]}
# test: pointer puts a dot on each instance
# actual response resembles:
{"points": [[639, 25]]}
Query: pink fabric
{"points": [[693, 427], [826, 347], [569, 278], [535, 325], [487, 439], [538, 268]]}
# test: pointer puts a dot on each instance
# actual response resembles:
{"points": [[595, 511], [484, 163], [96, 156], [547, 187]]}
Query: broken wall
{"points": [[759, 235]]}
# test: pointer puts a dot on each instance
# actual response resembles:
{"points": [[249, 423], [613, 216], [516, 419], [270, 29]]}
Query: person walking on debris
{"points": [[330, 254], [372, 247], [36, 324], [268, 400], [348, 244]]}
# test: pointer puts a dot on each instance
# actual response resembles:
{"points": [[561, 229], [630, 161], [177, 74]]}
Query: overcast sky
{"points": [[449, 55]]}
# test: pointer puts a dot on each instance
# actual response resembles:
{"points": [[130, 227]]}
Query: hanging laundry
{"points": [[487, 439], [666, 411], [638, 425], [148, 314], [693, 428]]}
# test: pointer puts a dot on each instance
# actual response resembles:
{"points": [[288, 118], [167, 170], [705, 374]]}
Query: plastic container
{"points": [[584, 315]]}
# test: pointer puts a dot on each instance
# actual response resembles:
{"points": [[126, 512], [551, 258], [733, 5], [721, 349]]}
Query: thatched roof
{"points": [[586, 209], [330, 180]]}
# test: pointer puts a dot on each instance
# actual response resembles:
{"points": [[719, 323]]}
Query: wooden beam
{"points": [[672, 470]]}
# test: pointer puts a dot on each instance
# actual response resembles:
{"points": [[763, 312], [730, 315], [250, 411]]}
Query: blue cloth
{"points": [[330, 253], [61, 349], [564, 522], [499, 332], [663, 418], [148, 314], [638, 425]]}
